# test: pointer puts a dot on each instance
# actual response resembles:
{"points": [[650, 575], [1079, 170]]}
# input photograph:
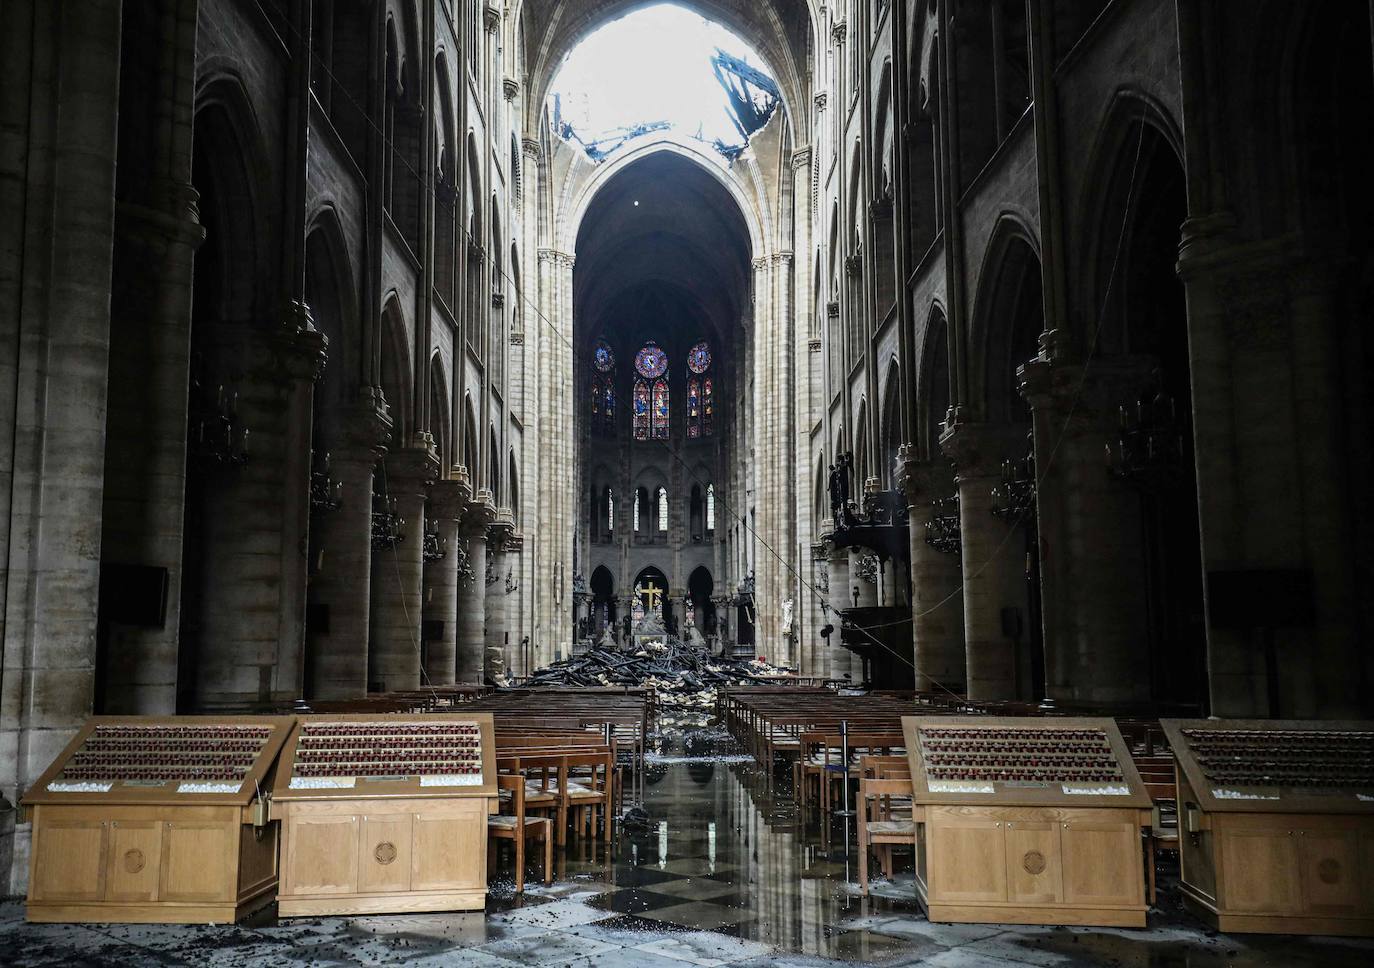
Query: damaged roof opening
{"points": [[661, 69]]}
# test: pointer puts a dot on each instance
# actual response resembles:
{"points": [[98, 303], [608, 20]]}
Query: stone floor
{"points": [[722, 873]]}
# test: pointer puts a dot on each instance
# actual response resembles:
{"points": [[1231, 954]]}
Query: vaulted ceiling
{"points": [[677, 260]]}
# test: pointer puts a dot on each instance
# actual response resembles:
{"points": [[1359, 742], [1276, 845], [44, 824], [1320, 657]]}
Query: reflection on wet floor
{"points": [[719, 869]]}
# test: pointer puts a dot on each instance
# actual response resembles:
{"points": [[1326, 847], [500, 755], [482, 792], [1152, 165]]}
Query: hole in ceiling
{"points": [[661, 69]]}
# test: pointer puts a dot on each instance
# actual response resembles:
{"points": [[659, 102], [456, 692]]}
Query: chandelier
{"points": [[215, 439], [388, 527], [1014, 498], [436, 545], [1149, 451], [942, 530], [326, 494]]}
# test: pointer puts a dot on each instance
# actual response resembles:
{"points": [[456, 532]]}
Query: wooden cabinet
{"points": [[995, 850], [1275, 836], [121, 833], [401, 841]]}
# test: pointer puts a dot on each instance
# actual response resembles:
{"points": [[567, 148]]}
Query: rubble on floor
{"points": [[683, 678]]}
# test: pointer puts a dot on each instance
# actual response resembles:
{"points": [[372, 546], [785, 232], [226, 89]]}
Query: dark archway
{"points": [[700, 587], [603, 602]]}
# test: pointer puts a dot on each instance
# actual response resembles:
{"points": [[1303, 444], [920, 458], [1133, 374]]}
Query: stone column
{"points": [[494, 661], [336, 644], [842, 661], [255, 521], [472, 590], [937, 596], [447, 502], [58, 210], [992, 557], [1092, 579], [397, 576]]}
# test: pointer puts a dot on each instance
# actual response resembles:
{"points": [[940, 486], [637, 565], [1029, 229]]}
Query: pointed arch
{"points": [[439, 412], [395, 368], [1007, 319]]}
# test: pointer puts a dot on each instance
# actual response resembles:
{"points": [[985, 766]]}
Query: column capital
{"points": [[510, 87], [838, 32], [448, 500], [410, 469], [978, 449], [479, 515], [820, 98], [491, 15], [529, 146], [923, 481], [1093, 395], [365, 423], [801, 157]]}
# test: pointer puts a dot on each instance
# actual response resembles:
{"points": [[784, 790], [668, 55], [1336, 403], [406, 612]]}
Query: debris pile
{"points": [[683, 678]]}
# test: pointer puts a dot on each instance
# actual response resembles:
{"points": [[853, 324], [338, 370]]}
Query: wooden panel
{"points": [[134, 861], [450, 848], [1258, 871], [1330, 871], [967, 857], [1033, 862], [1102, 862], [322, 854], [199, 861], [384, 853], [69, 859], [257, 859]]}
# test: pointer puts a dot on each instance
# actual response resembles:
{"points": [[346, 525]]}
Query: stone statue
{"points": [[787, 616]]}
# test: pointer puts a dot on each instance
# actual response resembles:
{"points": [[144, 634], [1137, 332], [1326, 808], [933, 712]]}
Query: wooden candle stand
{"points": [[1026, 821], [1276, 824], [156, 819], [385, 813]]}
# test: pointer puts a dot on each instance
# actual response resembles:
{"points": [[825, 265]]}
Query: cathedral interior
{"points": [[800, 481]]}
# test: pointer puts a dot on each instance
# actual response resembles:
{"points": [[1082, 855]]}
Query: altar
{"points": [[646, 617]]}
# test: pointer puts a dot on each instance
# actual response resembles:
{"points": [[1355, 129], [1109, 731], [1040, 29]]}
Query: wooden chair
{"points": [[1157, 776], [886, 817], [516, 827], [590, 790]]}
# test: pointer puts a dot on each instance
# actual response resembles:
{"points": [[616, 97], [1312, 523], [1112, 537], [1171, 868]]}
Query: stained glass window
{"points": [[603, 406], [694, 407], [662, 509], [610, 510], [710, 507], [707, 407], [636, 510], [641, 410], [651, 361], [660, 421], [699, 358], [608, 406], [603, 357]]}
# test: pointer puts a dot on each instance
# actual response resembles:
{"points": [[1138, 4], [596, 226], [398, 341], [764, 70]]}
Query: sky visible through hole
{"points": [[649, 66]]}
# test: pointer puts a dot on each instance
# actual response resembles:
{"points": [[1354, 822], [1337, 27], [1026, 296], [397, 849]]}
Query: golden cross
{"points": [[653, 593]]}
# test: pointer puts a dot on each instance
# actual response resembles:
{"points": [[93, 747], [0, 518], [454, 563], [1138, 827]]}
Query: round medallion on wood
{"points": [[134, 860], [1329, 870], [1033, 862], [385, 852]]}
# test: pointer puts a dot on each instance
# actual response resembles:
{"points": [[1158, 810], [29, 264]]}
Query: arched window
{"points": [[639, 493], [603, 390], [662, 510], [610, 511], [710, 507], [699, 391], [651, 393]]}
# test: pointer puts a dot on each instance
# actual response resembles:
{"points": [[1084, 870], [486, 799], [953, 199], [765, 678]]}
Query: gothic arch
{"points": [[933, 386], [395, 370], [1008, 301], [333, 298], [439, 411]]}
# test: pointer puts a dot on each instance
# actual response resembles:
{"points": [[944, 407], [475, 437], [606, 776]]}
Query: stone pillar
{"points": [[397, 576], [57, 209], [447, 502], [472, 591], [336, 654], [255, 521], [937, 595], [1091, 573], [494, 661], [992, 558], [145, 470], [842, 661]]}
